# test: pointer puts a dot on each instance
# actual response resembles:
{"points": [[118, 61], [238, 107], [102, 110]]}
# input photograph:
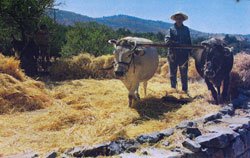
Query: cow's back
{"points": [[144, 65]]}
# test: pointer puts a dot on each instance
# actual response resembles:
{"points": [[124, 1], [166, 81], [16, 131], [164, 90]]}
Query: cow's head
{"points": [[216, 53], [124, 54]]}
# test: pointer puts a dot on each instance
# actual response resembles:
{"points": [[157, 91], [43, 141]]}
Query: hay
{"points": [[81, 66], [94, 111], [192, 72], [19, 93], [11, 66], [240, 75]]}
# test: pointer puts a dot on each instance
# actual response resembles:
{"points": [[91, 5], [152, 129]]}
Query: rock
{"points": [[29, 154], [237, 120], [191, 145], [245, 92], [212, 117], [226, 116], [122, 145], [152, 152], [185, 124], [224, 130], [132, 155], [150, 138], [167, 132], [238, 147], [213, 140], [235, 127], [227, 110], [191, 132], [166, 143], [92, 151], [52, 154], [239, 102]]}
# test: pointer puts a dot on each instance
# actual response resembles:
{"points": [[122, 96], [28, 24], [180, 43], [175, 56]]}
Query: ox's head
{"points": [[216, 53], [124, 54]]}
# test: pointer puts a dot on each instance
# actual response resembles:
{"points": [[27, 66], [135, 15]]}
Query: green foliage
{"points": [[57, 34], [23, 15], [88, 37]]}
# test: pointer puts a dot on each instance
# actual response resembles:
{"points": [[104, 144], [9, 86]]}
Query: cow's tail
{"points": [[145, 84]]}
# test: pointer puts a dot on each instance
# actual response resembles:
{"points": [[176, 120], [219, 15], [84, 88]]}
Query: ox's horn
{"points": [[109, 67], [135, 46], [228, 51], [112, 41]]}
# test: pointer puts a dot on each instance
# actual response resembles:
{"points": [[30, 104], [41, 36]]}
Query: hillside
{"points": [[118, 21], [124, 21]]}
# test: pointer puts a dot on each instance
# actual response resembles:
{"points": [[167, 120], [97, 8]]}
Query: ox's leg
{"points": [[130, 100], [212, 89], [218, 94], [145, 84], [137, 96], [225, 87], [133, 94]]}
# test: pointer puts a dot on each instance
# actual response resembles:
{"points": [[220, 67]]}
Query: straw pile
{"points": [[81, 66], [87, 66], [240, 76], [94, 111], [19, 93]]}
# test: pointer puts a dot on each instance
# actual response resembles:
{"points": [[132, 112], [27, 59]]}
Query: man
{"points": [[178, 34]]}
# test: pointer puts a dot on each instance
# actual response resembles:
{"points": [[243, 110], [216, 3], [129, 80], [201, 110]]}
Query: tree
{"points": [[57, 34], [88, 37], [23, 15]]}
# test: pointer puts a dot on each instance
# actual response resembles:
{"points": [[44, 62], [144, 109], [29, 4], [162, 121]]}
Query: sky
{"points": [[212, 16]]}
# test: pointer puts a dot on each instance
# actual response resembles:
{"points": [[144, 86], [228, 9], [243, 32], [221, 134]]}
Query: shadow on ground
{"points": [[154, 108]]}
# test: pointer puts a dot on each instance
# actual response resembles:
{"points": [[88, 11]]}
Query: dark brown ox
{"points": [[214, 63]]}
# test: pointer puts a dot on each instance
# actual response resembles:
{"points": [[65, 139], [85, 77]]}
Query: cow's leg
{"points": [[133, 94], [130, 100], [225, 87], [145, 84], [137, 96], [212, 89], [218, 94]]}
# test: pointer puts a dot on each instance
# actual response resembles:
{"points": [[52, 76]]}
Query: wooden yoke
{"points": [[175, 46]]}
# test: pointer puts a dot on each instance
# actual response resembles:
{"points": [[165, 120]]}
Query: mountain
{"points": [[134, 24]]}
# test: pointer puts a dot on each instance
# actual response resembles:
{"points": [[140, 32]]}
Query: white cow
{"points": [[134, 64]]}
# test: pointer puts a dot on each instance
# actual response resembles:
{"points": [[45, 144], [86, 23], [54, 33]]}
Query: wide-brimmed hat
{"points": [[185, 17]]}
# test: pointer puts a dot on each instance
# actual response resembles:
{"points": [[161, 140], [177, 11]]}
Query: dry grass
{"points": [[81, 66], [240, 75], [11, 66], [87, 66], [19, 93], [93, 111], [88, 111]]}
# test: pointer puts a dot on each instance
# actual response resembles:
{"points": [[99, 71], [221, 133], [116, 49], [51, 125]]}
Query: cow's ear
{"points": [[228, 51], [112, 41], [205, 43], [139, 51]]}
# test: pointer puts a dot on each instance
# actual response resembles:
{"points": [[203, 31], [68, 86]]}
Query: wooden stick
{"points": [[175, 46]]}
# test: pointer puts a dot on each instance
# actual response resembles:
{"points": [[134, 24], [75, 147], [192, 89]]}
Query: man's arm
{"points": [[188, 37], [168, 37]]}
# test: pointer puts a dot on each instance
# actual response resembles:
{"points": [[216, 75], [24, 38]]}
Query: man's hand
{"points": [[168, 42]]}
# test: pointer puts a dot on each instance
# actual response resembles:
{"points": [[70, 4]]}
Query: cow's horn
{"points": [[107, 68], [135, 45], [228, 51], [112, 41]]}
